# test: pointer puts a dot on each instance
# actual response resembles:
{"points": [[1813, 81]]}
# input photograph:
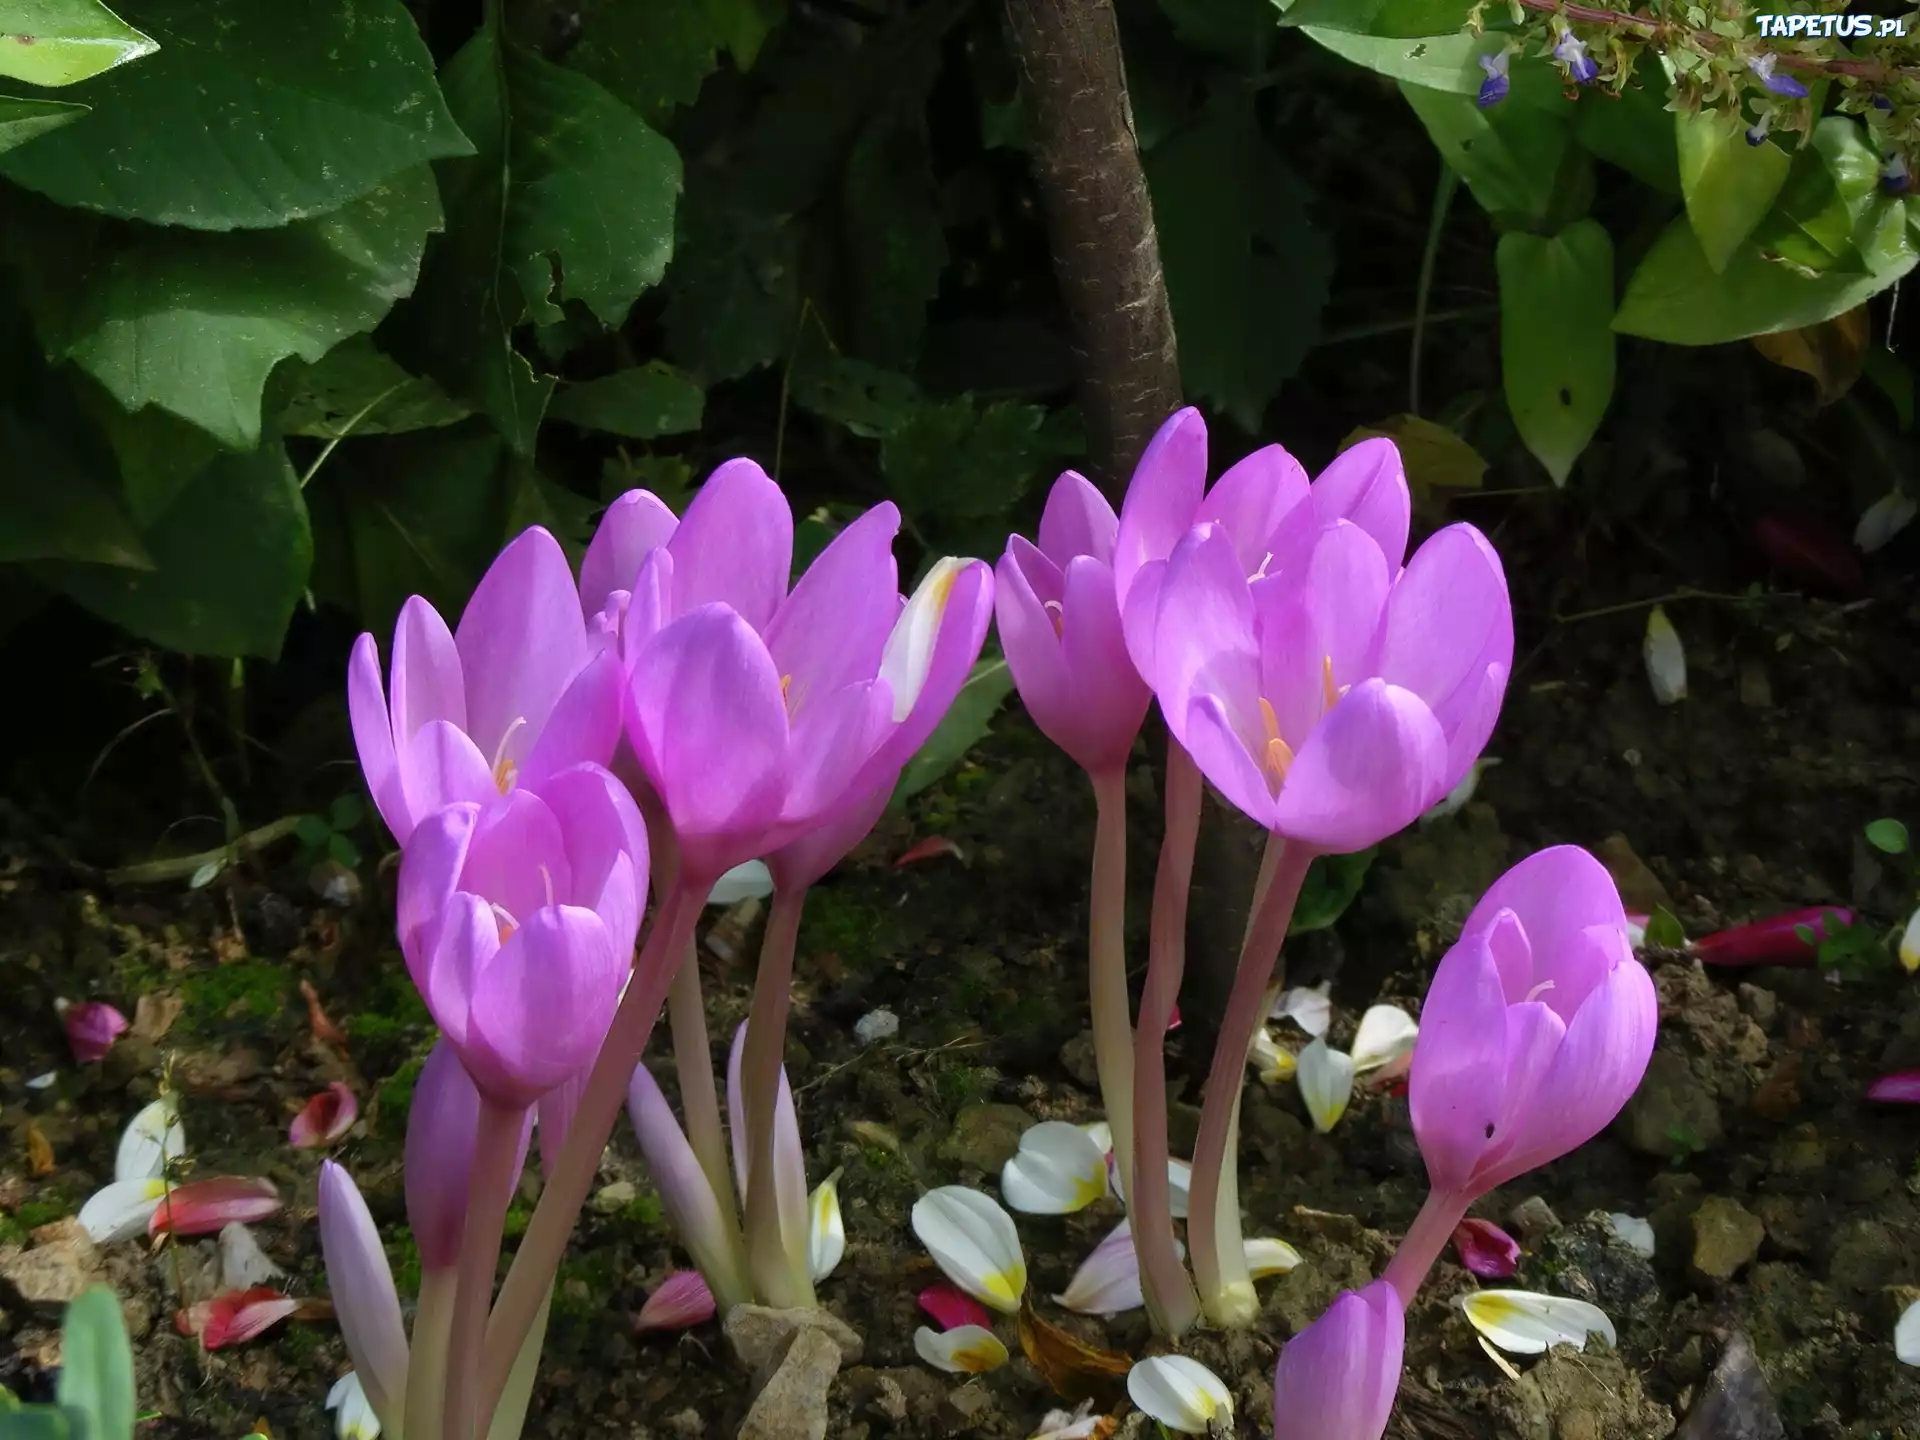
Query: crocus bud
{"points": [[441, 1125], [1337, 1378], [689, 1202], [364, 1300]]}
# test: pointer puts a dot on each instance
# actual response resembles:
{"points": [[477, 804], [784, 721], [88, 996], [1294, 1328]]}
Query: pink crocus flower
{"points": [[361, 1284], [205, 1207], [514, 696], [92, 1027], [517, 920], [1060, 626], [324, 1119], [1900, 1088], [1337, 1378]]}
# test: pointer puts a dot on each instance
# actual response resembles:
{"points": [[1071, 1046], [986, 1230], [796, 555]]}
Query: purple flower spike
{"points": [[1494, 88], [1571, 51], [1337, 1378], [1762, 67]]}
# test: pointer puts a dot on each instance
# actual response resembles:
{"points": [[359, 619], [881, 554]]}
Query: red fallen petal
{"points": [[1900, 1088], [1173, 1020], [92, 1027], [1776, 941], [324, 1118], [1486, 1249], [235, 1317], [1811, 550], [951, 1307], [204, 1206], [681, 1301], [928, 848]]}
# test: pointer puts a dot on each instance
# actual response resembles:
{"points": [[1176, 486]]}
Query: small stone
{"points": [[792, 1405], [1726, 1237], [972, 1402], [612, 1199], [875, 1026], [1534, 1220], [687, 1424], [1762, 1005], [1671, 1113], [1736, 1404], [985, 1136], [759, 1334], [1076, 1058], [1864, 1255], [62, 1263], [888, 1401]]}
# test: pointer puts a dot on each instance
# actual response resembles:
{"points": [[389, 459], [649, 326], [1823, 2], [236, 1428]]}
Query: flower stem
{"points": [[538, 1258], [1107, 966], [1213, 1229], [510, 1418], [782, 1278], [1424, 1240], [699, 1100], [1163, 1279], [427, 1357], [496, 1145]]}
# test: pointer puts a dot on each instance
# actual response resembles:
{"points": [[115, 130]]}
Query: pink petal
{"points": [[1455, 1099], [373, 737], [1368, 485], [1165, 491], [829, 745], [1373, 766], [1486, 1249], [235, 1317], [1204, 639], [324, 1119], [428, 681], [679, 1302], [635, 524], [1338, 1377], [584, 727], [442, 766], [202, 1207], [1571, 921], [1252, 500], [951, 1307], [542, 1004], [607, 849], [430, 867], [517, 858], [1776, 941], [521, 640], [830, 632], [92, 1027], [361, 1283], [735, 545], [1077, 521], [964, 619], [1900, 1088], [1222, 755]]}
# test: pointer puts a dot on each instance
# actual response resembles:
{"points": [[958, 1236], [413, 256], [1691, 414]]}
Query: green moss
{"points": [[390, 1012], [583, 1286], [403, 1257], [836, 920], [35, 1213], [299, 1344], [645, 1212], [12, 1232], [395, 1099], [962, 1085], [258, 989], [519, 1216]]}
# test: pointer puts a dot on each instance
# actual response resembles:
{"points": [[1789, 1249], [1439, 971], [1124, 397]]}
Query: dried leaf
{"points": [[1439, 464], [1831, 352], [154, 1014], [39, 1151], [927, 849], [1076, 1371], [324, 1030]]}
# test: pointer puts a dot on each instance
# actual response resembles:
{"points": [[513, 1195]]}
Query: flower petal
{"points": [[92, 1026], [951, 1307], [1108, 1280], [121, 1210], [1906, 1335], [1633, 1232], [151, 1139], [1369, 768], [442, 766], [1523, 1323], [749, 881], [1267, 1256], [1386, 1033], [1271, 1063], [1251, 501], [1456, 1089], [1900, 1088], [1310, 1009], [960, 601], [734, 545], [974, 1243], [1179, 1187], [1180, 1393], [1077, 521], [361, 1283], [606, 848], [521, 640], [1486, 1249], [1338, 1377], [324, 1119], [204, 1207], [963, 1350], [542, 1003], [373, 737], [1367, 484], [353, 1414], [1326, 1083], [239, 1315], [826, 1230], [632, 526], [243, 1264], [1057, 1170], [1166, 489], [833, 628], [428, 681], [584, 726], [685, 1195], [679, 1302]]}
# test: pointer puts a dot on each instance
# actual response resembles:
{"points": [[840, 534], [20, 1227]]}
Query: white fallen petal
{"points": [[1181, 1393], [1633, 1232], [974, 1243], [1179, 1186], [243, 1264], [1267, 1256], [121, 1210], [751, 881], [1906, 1335], [826, 1230], [152, 1138], [1102, 1134], [1108, 1280], [353, 1417], [1665, 656], [1326, 1084], [1311, 1010], [1083, 1423], [1058, 1169], [1883, 520], [1271, 1062], [1910, 944], [1523, 1323], [1456, 799], [963, 1350], [44, 1081], [1386, 1033]]}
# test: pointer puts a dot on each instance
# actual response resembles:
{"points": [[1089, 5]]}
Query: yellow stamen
{"points": [[503, 767], [1279, 754], [1328, 690], [504, 922]]}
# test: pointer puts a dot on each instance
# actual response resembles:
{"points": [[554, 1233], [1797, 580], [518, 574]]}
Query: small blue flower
{"points": [[1881, 102], [1893, 175], [1762, 67], [1572, 52], [1757, 132], [1494, 88]]}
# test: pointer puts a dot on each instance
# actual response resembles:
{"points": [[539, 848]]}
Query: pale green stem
{"points": [[427, 1352], [496, 1148], [699, 1100], [510, 1416], [1107, 967], [783, 1278]]}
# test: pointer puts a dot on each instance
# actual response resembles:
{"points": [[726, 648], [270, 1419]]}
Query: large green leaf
{"points": [[62, 42], [640, 403], [1446, 62], [963, 726], [892, 239], [356, 389], [1729, 185], [194, 323], [733, 292], [653, 57], [1247, 269], [1511, 158], [252, 113], [230, 555], [22, 119], [959, 460], [1632, 130], [96, 1366], [1556, 340], [53, 506], [1400, 19]]}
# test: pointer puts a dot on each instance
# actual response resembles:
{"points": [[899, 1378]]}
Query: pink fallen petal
{"points": [[1486, 1249], [1173, 1020], [951, 1307], [679, 1302], [324, 1118], [92, 1027], [204, 1207], [1777, 941], [235, 1317], [928, 848], [1900, 1088]]}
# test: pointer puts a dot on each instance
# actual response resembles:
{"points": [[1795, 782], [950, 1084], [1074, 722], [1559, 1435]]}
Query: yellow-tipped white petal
{"points": [[751, 881], [1082, 1423], [1523, 1323], [1270, 1061], [1386, 1034], [1326, 1084], [1884, 519], [974, 1243], [1102, 1134], [1906, 1335], [151, 1139], [1311, 1010], [1058, 1169], [909, 653], [1666, 658], [353, 1417], [826, 1230], [1633, 1232], [963, 1350], [1910, 944], [1182, 1394], [1267, 1256], [1179, 1187], [121, 1210], [1456, 799]]}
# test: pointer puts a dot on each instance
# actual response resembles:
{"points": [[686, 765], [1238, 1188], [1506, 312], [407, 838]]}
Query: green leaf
{"points": [[733, 292], [1332, 885], [1247, 270], [641, 403], [62, 42], [356, 388], [1511, 159], [965, 725], [1811, 224], [1240, 31], [1632, 130], [253, 113], [743, 25], [343, 851], [1396, 18], [195, 323], [96, 1368], [959, 460], [1664, 931], [312, 830], [893, 245], [231, 557], [41, 1422], [652, 57], [1887, 835], [868, 400], [158, 452], [22, 119], [1556, 338], [1449, 62], [346, 811], [1729, 185], [55, 507]]}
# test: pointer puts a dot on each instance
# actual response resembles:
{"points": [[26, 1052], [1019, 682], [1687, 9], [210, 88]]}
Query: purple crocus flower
{"points": [[1763, 68], [1571, 51], [364, 1300], [515, 696], [1337, 1378], [1060, 627], [517, 920], [1494, 88]]}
